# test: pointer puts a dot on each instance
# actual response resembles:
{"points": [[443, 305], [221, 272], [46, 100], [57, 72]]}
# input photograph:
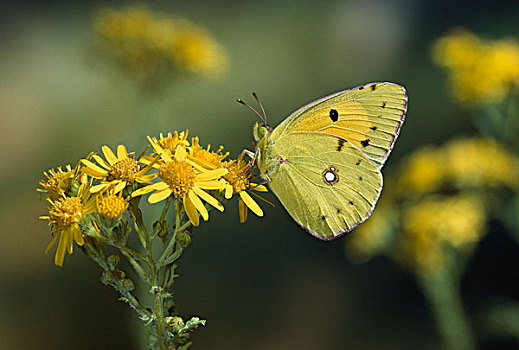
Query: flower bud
{"points": [[175, 323], [113, 260], [128, 285], [183, 239]]}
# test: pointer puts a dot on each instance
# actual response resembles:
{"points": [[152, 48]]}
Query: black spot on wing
{"points": [[383, 105], [338, 211], [340, 145], [323, 217], [365, 142], [360, 178], [373, 128], [358, 162], [361, 88], [350, 203], [334, 115], [373, 87]]}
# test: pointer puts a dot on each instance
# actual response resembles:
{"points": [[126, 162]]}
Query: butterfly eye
{"points": [[330, 176]]}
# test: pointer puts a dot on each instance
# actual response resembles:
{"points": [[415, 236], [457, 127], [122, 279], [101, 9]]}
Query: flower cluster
{"points": [[99, 188], [480, 71], [439, 201], [148, 45]]}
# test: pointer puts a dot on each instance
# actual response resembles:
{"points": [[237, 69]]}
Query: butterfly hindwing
{"points": [[368, 116], [327, 184]]}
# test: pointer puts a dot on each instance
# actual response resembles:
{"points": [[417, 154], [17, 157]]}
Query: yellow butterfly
{"points": [[323, 162]]}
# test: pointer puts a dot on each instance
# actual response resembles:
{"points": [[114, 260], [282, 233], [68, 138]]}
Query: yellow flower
{"points": [[439, 221], [148, 45], [65, 216], [171, 141], [197, 52], [238, 182], [184, 179], [481, 71], [117, 171], [424, 171], [58, 181], [480, 162], [110, 205], [205, 157]]}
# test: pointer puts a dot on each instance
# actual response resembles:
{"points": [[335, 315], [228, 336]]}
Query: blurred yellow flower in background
{"points": [[423, 171], [373, 236], [480, 162], [480, 71], [148, 45], [437, 223], [438, 202]]}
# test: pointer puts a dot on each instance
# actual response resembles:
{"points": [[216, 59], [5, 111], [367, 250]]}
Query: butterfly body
{"points": [[323, 161]]}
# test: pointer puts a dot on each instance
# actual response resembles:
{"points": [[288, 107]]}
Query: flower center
{"points": [[125, 169], [180, 177], [238, 176], [111, 207], [66, 212]]}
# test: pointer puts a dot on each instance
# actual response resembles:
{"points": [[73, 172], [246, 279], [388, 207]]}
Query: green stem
{"points": [[136, 216], [132, 301], [162, 216], [442, 291]]}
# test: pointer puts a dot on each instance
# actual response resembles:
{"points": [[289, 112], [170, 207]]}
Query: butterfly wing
{"points": [[368, 116], [326, 184]]}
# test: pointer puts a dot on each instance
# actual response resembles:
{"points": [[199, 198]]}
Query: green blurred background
{"points": [[265, 284]]}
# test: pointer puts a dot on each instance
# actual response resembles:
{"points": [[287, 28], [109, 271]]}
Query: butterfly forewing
{"points": [[327, 184], [369, 117]]}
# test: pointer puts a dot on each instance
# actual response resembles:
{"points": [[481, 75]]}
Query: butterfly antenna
{"points": [[262, 109], [239, 100]]}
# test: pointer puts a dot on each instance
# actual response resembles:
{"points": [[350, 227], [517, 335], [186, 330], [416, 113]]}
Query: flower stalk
{"points": [[98, 205]]}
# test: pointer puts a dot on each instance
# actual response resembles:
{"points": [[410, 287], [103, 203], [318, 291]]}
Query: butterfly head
{"points": [[260, 131]]}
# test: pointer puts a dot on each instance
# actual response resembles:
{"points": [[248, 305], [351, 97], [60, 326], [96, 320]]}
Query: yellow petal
{"points": [[69, 236], [228, 191], [109, 155], [60, 251], [180, 153], [159, 150], [259, 188], [208, 198], [51, 244], [95, 168], [78, 237], [121, 152], [101, 162], [147, 189], [160, 195], [211, 185], [251, 203], [212, 174], [191, 212], [243, 211], [120, 186], [99, 188], [145, 178], [198, 205], [195, 165]]}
